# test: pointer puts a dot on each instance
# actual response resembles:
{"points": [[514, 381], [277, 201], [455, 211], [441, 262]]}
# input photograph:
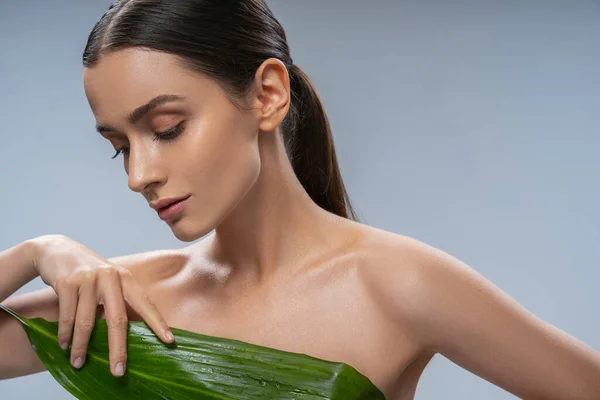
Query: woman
{"points": [[219, 130]]}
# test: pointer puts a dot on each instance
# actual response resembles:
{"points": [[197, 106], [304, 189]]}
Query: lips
{"points": [[168, 205], [172, 209], [166, 202]]}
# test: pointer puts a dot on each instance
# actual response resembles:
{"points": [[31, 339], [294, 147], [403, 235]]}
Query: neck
{"points": [[276, 227]]}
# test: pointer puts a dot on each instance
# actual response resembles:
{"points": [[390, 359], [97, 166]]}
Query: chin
{"points": [[188, 232], [186, 236]]}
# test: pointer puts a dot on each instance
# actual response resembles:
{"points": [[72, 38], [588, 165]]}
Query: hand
{"points": [[82, 280]]}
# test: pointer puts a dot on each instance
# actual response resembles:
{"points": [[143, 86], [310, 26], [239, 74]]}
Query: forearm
{"points": [[17, 268]]}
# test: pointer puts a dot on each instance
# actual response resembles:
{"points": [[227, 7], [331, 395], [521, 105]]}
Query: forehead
{"points": [[125, 79]]}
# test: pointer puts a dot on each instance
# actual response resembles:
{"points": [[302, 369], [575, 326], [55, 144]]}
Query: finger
{"points": [[85, 320], [68, 297], [116, 320], [141, 303]]}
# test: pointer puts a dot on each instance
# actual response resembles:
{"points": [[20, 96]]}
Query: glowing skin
{"points": [[279, 271], [283, 273], [231, 162]]}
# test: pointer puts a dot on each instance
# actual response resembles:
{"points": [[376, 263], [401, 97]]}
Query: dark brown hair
{"points": [[228, 40]]}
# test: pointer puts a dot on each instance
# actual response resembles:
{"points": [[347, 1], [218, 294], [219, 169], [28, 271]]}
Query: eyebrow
{"points": [[142, 111]]}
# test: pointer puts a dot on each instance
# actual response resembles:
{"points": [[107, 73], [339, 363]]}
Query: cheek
{"points": [[222, 166]]}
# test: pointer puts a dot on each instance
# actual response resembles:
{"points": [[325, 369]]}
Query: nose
{"points": [[143, 169]]}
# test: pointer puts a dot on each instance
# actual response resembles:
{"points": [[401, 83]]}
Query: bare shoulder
{"points": [[399, 271], [153, 266], [454, 310]]}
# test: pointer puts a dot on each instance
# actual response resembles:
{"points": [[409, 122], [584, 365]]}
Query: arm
{"points": [[17, 358], [16, 268], [457, 312]]}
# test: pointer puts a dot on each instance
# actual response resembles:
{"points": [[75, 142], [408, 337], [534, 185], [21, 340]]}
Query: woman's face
{"points": [[208, 152]]}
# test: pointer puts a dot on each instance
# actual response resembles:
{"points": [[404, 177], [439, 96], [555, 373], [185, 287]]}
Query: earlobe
{"points": [[273, 93]]}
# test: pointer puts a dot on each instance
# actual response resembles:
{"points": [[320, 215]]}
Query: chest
{"points": [[332, 318]]}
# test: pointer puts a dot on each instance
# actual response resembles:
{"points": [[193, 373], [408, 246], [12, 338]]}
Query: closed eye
{"points": [[166, 136]]}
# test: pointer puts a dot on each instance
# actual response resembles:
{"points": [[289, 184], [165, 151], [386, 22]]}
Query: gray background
{"points": [[472, 126]]}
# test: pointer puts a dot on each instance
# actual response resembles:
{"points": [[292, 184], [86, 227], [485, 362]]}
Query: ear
{"points": [[272, 95]]}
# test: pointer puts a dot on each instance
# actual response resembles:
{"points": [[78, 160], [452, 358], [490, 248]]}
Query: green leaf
{"points": [[196, 366]]}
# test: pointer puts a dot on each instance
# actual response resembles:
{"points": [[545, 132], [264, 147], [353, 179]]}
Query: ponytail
{"points": [[310, 148]]}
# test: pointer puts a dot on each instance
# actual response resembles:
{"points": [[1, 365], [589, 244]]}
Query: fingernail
{"points": [[119, 369], [169, 335], [78, 362], [64, 345]]}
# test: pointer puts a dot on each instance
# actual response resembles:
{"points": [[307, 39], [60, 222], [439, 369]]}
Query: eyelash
{"points": [[167, 136]]}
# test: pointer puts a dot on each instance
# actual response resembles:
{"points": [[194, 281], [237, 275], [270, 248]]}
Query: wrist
{"points": [[37, 251], [31, 252]]}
